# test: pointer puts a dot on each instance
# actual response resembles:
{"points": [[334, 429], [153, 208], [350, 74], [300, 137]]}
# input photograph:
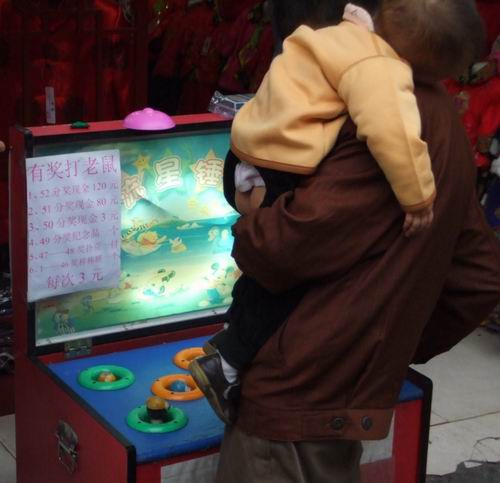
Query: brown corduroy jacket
{"points": [[375, 300]]}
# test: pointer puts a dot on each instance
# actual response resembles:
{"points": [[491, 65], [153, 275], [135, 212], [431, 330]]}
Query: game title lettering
{"points": [[168, 173]]}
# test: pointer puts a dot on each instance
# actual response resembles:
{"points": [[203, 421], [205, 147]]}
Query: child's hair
{"points": [[440, 38]]}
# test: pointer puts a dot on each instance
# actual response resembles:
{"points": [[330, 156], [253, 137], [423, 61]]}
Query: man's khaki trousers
{"points": [[248, 459]]}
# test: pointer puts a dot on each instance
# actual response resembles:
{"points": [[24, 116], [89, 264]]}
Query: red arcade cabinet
{"points": [[72, 424]]}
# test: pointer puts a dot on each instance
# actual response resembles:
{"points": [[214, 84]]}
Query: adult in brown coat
{"points": [[376, 301]]}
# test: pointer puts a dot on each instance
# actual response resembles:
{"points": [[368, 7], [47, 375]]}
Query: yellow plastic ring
{"points": [[161, 388], [183, 358]]}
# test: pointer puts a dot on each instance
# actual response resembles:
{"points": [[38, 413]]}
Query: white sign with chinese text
{"points": [[74, 223]]}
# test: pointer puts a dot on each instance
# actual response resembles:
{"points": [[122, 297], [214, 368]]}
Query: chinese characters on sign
{"points": [[208, 172], [74, 223], [132, 189], [168, 171]]}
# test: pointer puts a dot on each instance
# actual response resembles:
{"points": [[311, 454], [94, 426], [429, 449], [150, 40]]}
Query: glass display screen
{"points": [[175, 239]]}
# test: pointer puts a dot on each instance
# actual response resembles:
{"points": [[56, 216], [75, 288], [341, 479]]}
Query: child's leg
{"points": [[234, 343], [254, 316]]}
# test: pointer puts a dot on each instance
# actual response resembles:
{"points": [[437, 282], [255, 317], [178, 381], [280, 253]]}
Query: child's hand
{"points": [[249, 200], [418, 221], [243, 202]]}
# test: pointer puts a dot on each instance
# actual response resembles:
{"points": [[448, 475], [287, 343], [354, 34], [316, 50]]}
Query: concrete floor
{"points": [[7, 450], [465, 427], [465, 424], [487, 473]]}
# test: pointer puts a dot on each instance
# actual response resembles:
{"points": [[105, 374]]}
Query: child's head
{"points": [[440, 38]]}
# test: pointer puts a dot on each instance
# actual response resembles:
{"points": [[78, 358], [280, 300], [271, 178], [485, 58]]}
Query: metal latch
{"points": [[79, 347], [67, 440]]}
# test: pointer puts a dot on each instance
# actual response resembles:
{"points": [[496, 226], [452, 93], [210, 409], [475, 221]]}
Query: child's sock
{"points": [[230, 373]]}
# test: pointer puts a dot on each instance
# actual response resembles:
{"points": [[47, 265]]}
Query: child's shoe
{"points": [[221, 394]]}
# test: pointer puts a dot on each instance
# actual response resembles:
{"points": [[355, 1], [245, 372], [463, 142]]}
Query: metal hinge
{"points": [[79, 347]]}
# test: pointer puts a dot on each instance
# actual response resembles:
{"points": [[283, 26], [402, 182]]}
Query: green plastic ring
{"points": [[88, 378], [138, 419]]}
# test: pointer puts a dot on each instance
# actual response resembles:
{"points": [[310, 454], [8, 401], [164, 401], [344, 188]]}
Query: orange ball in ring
{"points": [[156, 403], [161, 387], [156, 408], [106, 376]]}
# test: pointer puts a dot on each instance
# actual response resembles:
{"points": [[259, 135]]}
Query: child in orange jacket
{"points": [[360, 68]]}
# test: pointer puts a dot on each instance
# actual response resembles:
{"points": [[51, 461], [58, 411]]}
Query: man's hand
{"points": [[418, 221]]}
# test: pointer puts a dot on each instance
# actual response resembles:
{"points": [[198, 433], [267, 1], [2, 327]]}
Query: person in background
{"points": [[251, 52], [207, 55]]}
